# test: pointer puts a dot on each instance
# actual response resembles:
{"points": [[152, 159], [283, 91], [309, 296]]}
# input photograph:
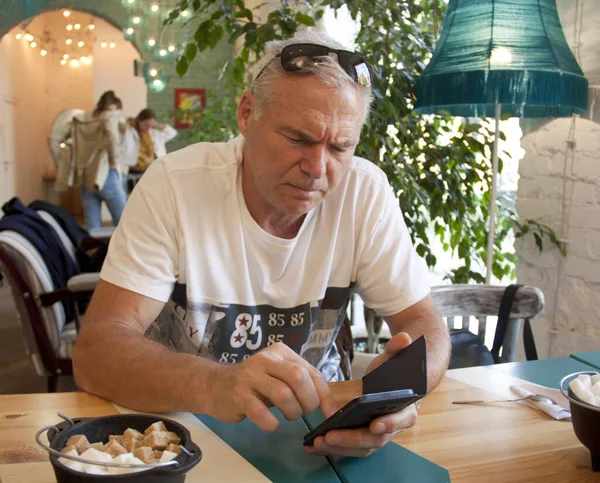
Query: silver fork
{"points": [[531, 397]]}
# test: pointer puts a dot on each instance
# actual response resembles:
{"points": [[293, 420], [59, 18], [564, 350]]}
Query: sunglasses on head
{"points": [[296, 56]]}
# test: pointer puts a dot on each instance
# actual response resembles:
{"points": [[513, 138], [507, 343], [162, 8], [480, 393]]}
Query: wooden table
{"points": [[475, 443]]}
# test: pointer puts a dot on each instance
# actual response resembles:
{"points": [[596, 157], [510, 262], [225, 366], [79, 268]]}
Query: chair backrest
{"points": [[27, 276], [473, 304], [64, 239]]}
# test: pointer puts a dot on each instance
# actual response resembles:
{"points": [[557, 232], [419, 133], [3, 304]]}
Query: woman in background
{"points": [[98, 149], [152, 136]]}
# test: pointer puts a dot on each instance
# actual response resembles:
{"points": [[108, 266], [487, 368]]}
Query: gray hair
{"points": [[329, 71]]}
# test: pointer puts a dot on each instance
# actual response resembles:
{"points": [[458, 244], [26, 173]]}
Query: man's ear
{"points": [[244, 112]]}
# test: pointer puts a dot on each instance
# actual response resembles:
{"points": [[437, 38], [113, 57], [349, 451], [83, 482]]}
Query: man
{"points": [[257, 243]]}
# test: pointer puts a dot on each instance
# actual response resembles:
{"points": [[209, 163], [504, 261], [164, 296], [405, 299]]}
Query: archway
{"points": [[50, 63]]}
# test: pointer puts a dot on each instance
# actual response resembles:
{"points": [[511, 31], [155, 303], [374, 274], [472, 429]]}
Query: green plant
{"points": [[539, 231], [439, 168]]}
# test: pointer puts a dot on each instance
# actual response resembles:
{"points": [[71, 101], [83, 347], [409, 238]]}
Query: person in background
{"points": [[152, 137], [98, 148]]}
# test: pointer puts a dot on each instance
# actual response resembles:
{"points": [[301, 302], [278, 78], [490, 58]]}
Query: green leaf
{"points": [[538, 241], [245, 13], [214, 36], [182, 66], [190, 52], [217, 14], [305, 19]]}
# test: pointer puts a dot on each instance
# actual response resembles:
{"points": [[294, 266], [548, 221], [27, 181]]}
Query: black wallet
{"points": [[406, 370]]}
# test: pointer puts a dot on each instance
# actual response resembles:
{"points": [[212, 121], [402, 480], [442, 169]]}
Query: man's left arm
{"points": [[423, 318]]}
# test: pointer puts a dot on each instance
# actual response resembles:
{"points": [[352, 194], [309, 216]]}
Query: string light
{"points": [[69, 27], [67, 13], [153, 72], [185, 14], [136, 20], [157, 82], [163, 52], [81, 43], [63, 62], [92, 26], [130, 31], [74, 63], [43, 53], [171, 48], [29, 37], [112, 45], [104, 45], [154, 8], [18, 36], [151, 42], [86, 60], [130, 1], [63, 145], [33, 45], [68, 41], [77, 26], [65, 56]]}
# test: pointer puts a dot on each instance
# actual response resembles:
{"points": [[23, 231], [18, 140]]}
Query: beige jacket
{"points": [[96, 149]]}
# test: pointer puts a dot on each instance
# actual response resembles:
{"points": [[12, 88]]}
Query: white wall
{"points": [[34, 89], [7, 144], [561, 188], [23, 117], [571, 285], [113, 70]]}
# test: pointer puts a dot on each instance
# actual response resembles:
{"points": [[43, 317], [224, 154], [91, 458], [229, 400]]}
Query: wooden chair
{"points": [[48, 332], [460, 302]]}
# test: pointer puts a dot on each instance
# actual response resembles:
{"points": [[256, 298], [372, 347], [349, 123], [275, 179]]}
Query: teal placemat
{"points": [[546, 372], [392, 463], [589, 358], [278, 455]]}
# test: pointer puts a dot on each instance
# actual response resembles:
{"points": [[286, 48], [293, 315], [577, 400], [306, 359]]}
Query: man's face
{"points": [[300, 147]]}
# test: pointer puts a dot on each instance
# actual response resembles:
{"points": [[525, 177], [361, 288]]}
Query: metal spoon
{"points": [[532, 397]]}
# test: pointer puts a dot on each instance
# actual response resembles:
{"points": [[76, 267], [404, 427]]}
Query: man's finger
{"points": [[322, 446], [397, 343], [258, 412], [361, 438], [392, 423], [279, 394], [299, 379], [327, 404]]}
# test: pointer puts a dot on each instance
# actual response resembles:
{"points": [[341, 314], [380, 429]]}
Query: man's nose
{"points": [[314, 162]]}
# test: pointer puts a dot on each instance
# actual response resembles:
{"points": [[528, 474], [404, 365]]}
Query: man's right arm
{"points": [[113, 359]]}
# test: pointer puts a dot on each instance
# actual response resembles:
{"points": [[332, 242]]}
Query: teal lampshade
{"points": [[508, 52]]}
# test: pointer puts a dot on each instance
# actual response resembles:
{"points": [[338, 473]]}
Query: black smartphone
{"points": [[359, 412]]}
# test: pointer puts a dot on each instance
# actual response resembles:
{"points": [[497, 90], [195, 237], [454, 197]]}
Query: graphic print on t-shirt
{"points": [[230, 333]]}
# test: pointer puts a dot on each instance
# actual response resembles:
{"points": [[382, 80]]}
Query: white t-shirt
{"points": [[186, 238]]}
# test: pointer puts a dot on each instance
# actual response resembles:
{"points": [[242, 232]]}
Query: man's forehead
{"points": [[342, 137]]}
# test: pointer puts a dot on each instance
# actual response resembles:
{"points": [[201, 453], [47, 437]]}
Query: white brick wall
{"points": [[571, 319]]}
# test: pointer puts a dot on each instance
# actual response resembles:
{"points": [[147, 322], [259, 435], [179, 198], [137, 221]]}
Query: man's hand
{"points": [[275, 376], [363, 441]]}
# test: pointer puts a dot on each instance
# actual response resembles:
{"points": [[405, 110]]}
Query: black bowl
{"points": [[98, 429], [586, 422]]}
